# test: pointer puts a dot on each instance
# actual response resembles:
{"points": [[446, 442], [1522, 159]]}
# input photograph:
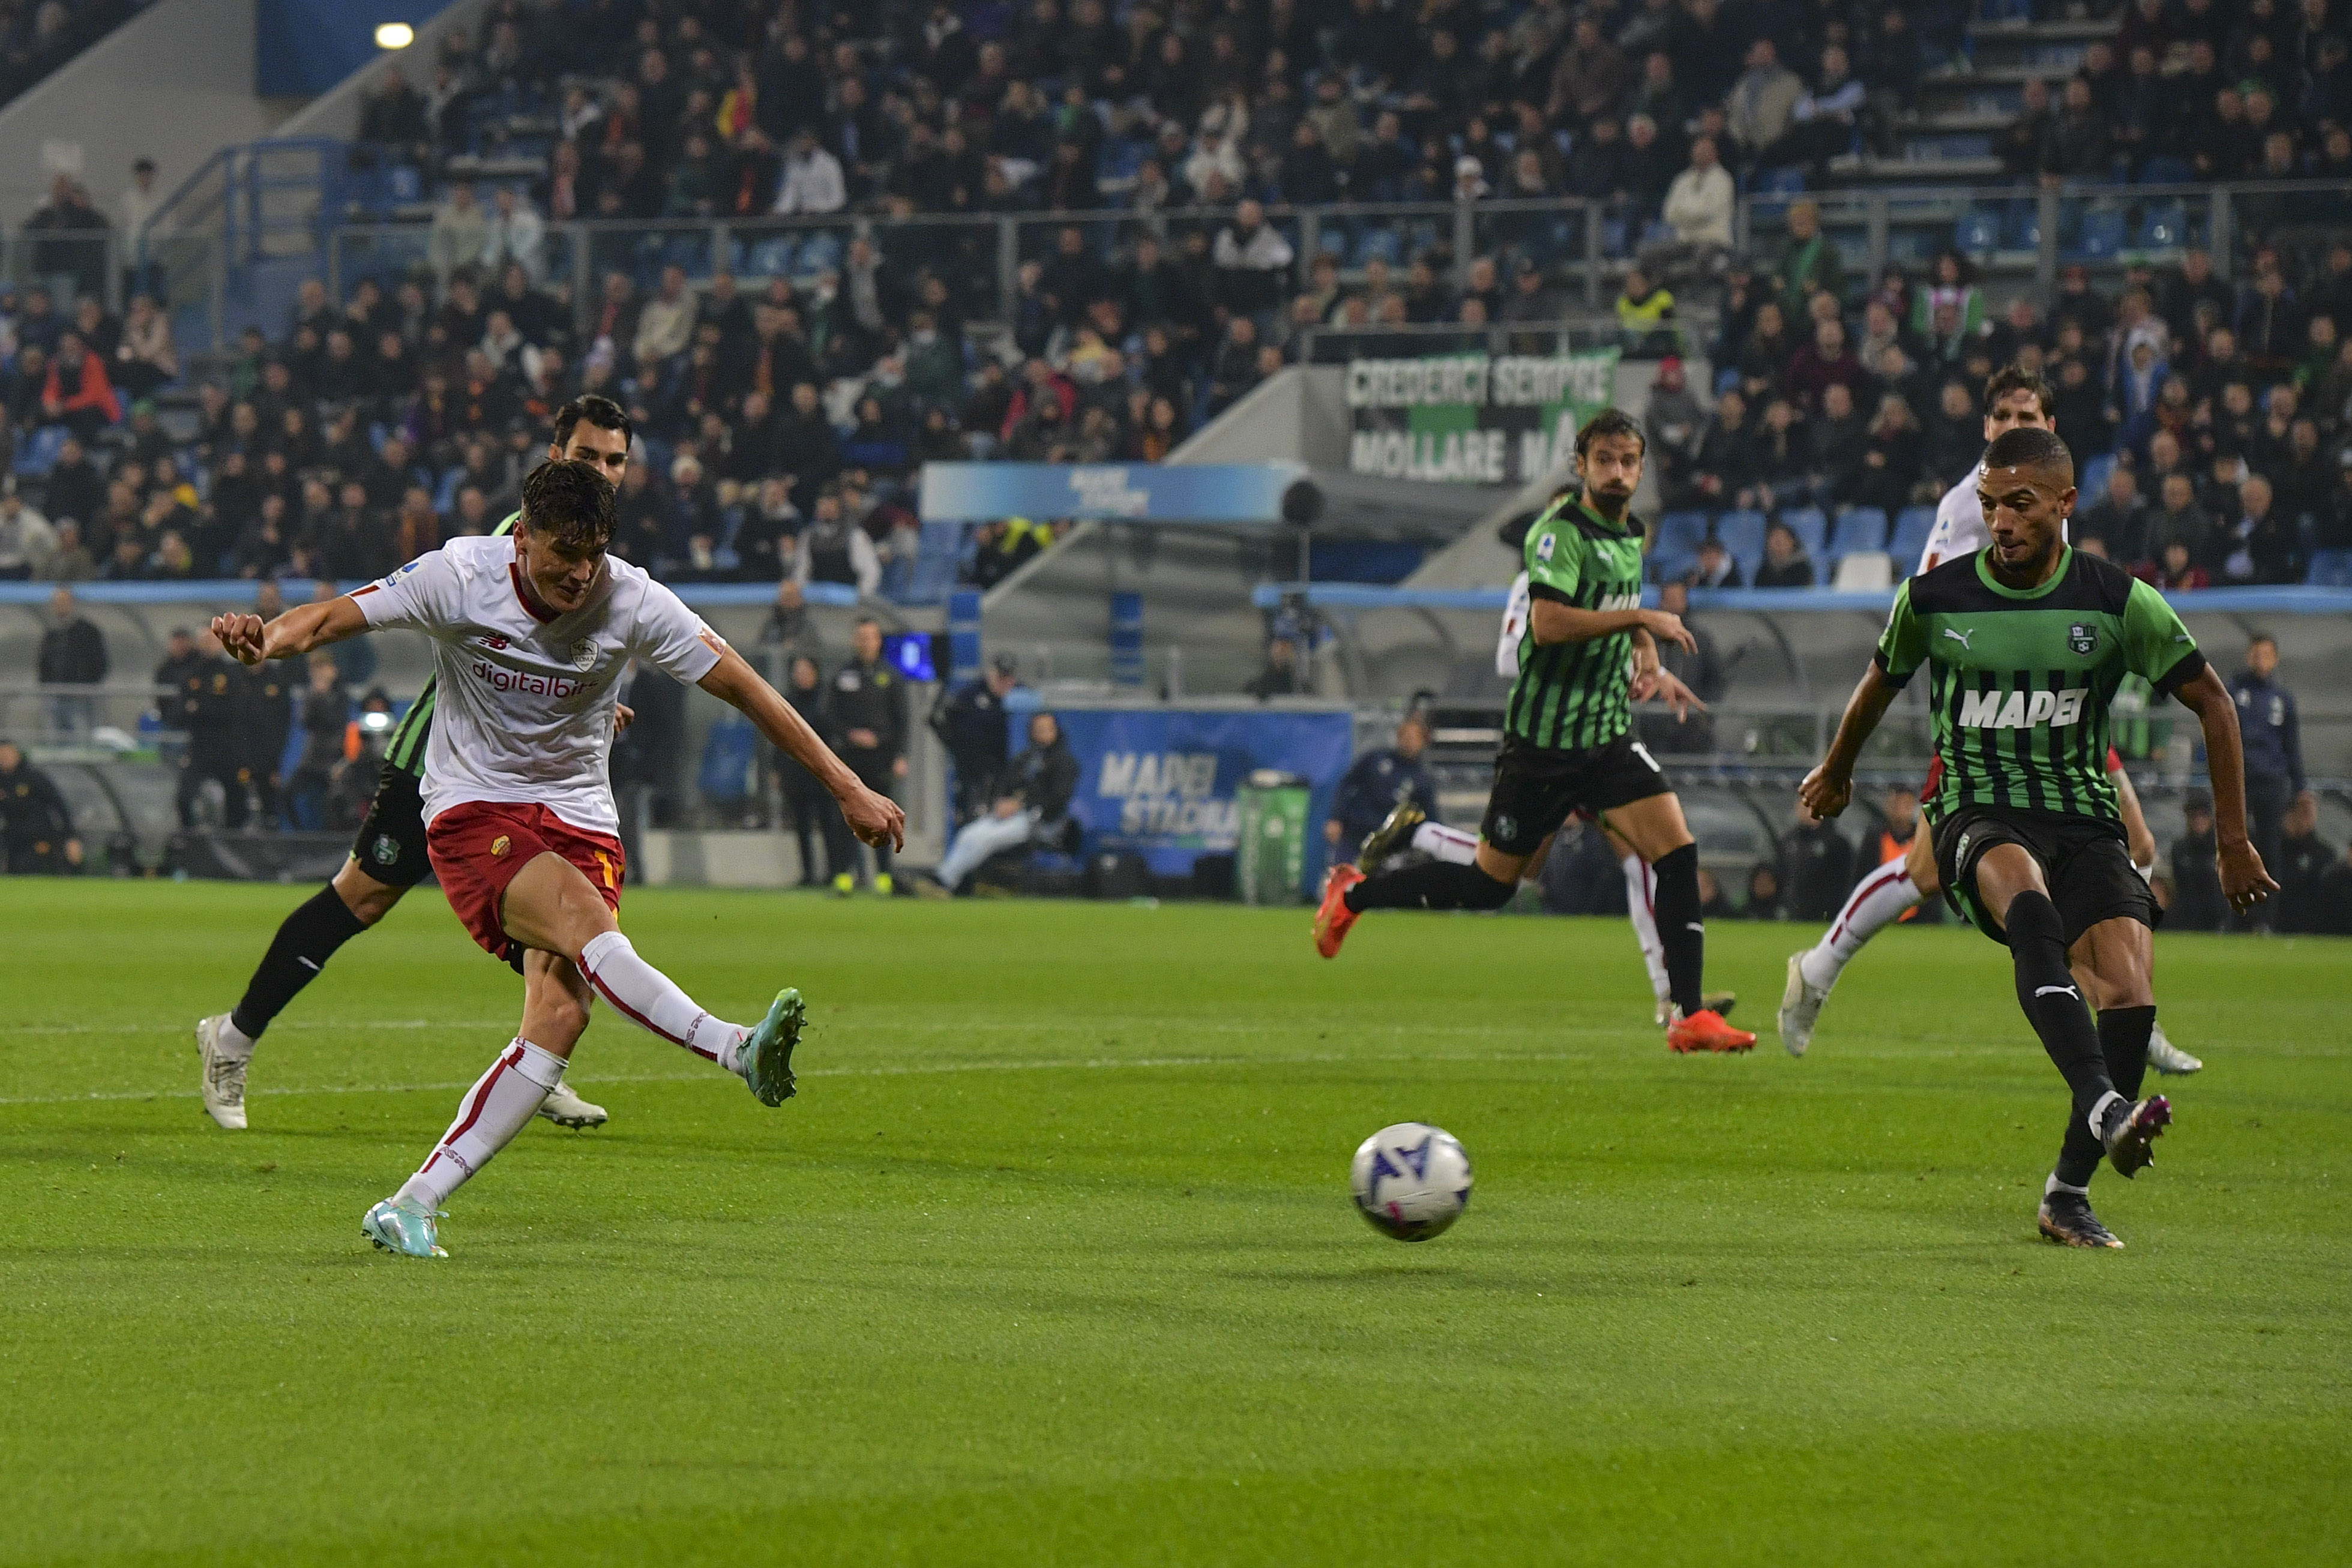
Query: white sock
{"points": [[2099, 1112], [651, 1001], [1449, 845], [232, 1042], [1641, 907], [493, 1111], [1877, 902], [2054, 1185]]}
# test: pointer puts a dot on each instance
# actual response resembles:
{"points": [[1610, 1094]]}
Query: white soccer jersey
{"points": [[1959, 527], [1515, 621], [523, 710]]}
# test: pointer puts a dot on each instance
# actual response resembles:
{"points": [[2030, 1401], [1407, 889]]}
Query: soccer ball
{"points": [[1411, 1180]]}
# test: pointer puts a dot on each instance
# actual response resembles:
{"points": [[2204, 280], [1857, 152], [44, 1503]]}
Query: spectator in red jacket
{"points": [[77, 394]]}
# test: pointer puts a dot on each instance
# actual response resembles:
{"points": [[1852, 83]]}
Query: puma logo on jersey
{"points": [[1962, 637], [2023, 710]]}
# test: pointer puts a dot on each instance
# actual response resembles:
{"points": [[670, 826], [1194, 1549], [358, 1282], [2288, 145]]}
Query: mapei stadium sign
{"points": [[1474, 418]]}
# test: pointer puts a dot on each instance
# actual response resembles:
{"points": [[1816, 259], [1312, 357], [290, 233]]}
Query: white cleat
{"points": [[564, 1107], [2168, 1058], [223, 1080], [1801, 1007]]}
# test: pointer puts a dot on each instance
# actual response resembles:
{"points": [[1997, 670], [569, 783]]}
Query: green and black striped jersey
{"points": [[1572, 697], [405, 749], [2020, 679]]}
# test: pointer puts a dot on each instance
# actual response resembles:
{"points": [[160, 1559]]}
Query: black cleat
{"points": [[2129, 1133], [2067, 1220], [1390, 837]]}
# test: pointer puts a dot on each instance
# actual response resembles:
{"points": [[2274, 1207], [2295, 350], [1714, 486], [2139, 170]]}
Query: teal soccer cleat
{"points": [[406, 1228], [767, 1056]]}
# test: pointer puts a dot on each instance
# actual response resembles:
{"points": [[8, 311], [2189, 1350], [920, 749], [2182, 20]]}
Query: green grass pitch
{"points": [[1051, 1263]]}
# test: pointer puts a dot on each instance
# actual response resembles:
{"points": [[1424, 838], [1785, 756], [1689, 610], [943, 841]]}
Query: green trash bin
{"points": [[1271, 858]]}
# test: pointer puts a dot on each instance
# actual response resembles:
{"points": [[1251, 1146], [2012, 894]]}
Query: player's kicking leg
{"points": [[574, 952], [2104, 1062], [1877, 902]]}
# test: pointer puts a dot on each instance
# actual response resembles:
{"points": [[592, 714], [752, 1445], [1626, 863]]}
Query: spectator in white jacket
{"points": [[666, 324], [813, 180], [459, 232], [519, 234], [1699, 202], [27, 543]]}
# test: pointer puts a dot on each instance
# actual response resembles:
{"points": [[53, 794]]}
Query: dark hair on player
{"points": [[601, 412], [2029, 446], [570, 504], [2017, 378], [1610, 421]]}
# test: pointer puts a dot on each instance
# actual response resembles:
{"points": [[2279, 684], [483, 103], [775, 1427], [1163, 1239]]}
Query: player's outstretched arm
{"points": [[874, 819], [296, 633], [2244, 882], [1828, 789], [1553, 621]]}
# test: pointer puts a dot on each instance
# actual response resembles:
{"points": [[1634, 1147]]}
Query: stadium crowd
{"points": [[785, 415]]}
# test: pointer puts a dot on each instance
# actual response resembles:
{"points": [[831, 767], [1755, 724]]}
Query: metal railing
{"points": [[2030, 230]]}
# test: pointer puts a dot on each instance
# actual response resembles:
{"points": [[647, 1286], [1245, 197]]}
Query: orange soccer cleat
{"points": [[1333, 919], [1706, 1030]]}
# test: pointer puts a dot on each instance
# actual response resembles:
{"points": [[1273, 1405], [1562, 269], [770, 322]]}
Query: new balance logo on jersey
{"points": [[2023, 710]]}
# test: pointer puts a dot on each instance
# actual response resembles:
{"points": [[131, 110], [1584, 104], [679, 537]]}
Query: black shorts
{"points": [[1537, 789], [2083, 859], [391, 845]]}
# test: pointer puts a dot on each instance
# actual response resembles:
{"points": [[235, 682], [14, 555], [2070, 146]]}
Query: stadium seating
{"points": [[1742, 534], [1864, 571], [2330, 569], [1812, 527], [1859, 529], [1912, 527]]}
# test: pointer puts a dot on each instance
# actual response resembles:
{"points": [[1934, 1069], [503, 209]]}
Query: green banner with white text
{"points": [[1474, 418]]}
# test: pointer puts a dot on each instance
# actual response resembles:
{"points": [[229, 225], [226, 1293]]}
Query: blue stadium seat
{"points": [[1859, 528], [2092, 480], [37, 455], [2021, 225], [819, 253], [1678, 549], [1381, 240], [1976, 232], [1786, 181], [2168, 172], [1742, 534], [1727, 380], [730, 761], [1812, 527], [2103, 233], [2164, 226], [2330, 569], [1912, 527], [772, 257]]}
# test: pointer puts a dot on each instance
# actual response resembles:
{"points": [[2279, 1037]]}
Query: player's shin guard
{"points": [[1438, 884], [1682, 935], [652, 1000], [1877, 902], [497, 1108], [2046, 994], [1641, 898], [1442, 842], [305, 941], [2124, 1034]]}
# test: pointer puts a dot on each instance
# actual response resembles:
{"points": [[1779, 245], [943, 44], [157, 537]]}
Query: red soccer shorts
{"points": [[477, 847]]}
